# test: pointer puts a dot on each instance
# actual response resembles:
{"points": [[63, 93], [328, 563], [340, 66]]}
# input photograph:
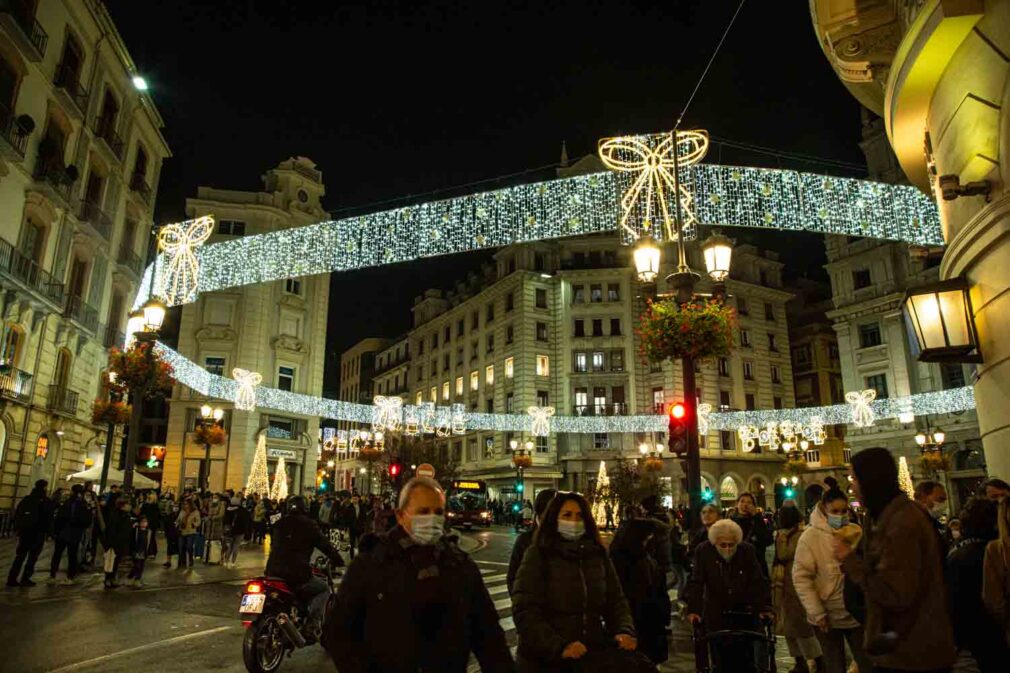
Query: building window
{"points": [[745, 338], [776, 374], [541, 331], [459, 355], [474, 320], [293, 286], [420, 372], [434, 366], [459, 386], [542, 444], [601, 440], [433, 394], [286, 378], [474, 380], [213, 365], [861, 279], [813, 457], [489, 313], [741, 306], [725, 402], [543, 365], [598, 363], [776, 403], [445, 362], [617, 361], [445, 391], [877, 382], [509, 367], [538, 261], [613, 292], [447, 335], [578, 294], [772, 346], [615, 327], [847, 454], [769, 312], [749, 403], [542, 398], [489, 405], [580, 328], [231, 228], [599, 400], [726, 440], [473, 351], [509, 334], [420, 347], [869, 335], [509, 403], [658, 400], [748, 370], [723, 367], [580, 362], [489, 375], [595, 293], [597, 327], [510, 300], [541, 297], [459, 327], [471, 449], [419, 398], [801, 355], [951, 375], [434, 341], [490, 343]]}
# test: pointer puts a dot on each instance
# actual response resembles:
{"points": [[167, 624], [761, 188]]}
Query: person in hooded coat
{"points": [[790, 617], [643, 586], [899, 568]]}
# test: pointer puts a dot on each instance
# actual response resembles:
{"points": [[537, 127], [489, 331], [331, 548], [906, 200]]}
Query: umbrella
{"points": [[94, 473]]}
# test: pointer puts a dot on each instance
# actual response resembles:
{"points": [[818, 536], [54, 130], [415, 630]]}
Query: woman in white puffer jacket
{"points": [[819, 583]]}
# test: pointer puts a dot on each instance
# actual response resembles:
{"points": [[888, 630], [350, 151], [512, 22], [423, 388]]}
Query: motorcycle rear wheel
{"points": [[263, 646]]}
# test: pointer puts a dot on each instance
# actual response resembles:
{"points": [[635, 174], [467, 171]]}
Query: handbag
{"points": [[109, 561]]}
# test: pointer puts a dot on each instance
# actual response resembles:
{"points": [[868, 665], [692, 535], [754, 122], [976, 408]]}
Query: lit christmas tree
{"points": [[600, 494], [259, 477], [279, 491], [905, 478]]}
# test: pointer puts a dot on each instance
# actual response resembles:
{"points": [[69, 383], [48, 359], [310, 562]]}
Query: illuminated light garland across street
{"points": [[199, 379], [723, 195]]}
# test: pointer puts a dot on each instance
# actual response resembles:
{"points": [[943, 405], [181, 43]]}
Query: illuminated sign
{"points": [[42, 447], [468, 485]]}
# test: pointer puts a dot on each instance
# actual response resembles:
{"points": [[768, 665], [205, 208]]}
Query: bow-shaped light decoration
{"points": [[182, 270], [748, 436], [541, 426], [862, 412], [458, 419], [245, 396], [704, 409], [646, 201], [386, 413]]}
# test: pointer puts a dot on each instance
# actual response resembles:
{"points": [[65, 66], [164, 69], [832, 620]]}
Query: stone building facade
{"points": [[277, 329], [81, 150]]}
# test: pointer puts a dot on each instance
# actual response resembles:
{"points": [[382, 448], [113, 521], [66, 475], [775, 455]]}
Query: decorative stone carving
{"points": [[216, 333], [290, 344], [292, 301]]}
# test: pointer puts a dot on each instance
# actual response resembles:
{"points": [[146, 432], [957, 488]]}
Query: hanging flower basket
{"points": [[653, 464], [932, 462], [794, 467], [114, 412], [137, 371], [210, 434], [698, 330], [523, 461]]}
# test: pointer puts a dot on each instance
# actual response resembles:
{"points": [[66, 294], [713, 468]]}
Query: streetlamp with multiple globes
{"points": [[930, 440], [208, 416], [142, 326], [717, 252]]}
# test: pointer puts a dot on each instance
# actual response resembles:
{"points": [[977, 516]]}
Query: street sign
{"points": [[286, 454], [425, 470]]}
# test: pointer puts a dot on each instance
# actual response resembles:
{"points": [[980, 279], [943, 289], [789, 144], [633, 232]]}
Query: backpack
{"points": [[26, 517]]}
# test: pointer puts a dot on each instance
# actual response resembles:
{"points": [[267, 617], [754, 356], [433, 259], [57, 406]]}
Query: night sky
{"points": [[396, 100]]}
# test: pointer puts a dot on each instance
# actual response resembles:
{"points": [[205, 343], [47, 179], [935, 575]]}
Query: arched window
{"points": [[63, 362], [12, 345]]}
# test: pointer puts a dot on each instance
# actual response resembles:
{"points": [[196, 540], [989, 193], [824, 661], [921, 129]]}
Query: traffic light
{"points": [[394, 471], [519, 487], [789, 492], [515, 507], [679, 419]]}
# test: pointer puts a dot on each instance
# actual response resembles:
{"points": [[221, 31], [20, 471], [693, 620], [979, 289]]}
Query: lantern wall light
{"points": [[941, 322]]}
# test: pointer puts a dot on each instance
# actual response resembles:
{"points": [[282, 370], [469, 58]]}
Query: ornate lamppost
{"points": [[210, 419]]}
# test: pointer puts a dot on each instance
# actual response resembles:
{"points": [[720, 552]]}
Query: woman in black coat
{"points": [[152, 512], [567, 601], [643, 586], [118, 536], [755, 531]]}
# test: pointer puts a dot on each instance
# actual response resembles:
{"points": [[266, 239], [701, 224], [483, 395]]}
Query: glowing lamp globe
{"points": [[647, 257], [718, 252], [154, 314]]}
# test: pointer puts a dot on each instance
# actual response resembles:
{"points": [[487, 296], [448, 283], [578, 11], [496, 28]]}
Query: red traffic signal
{"points": [[394, 470], [677, 411], [679, 418]]}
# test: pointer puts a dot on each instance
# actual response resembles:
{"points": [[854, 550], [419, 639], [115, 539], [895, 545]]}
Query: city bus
{"points": [[467, 503]]}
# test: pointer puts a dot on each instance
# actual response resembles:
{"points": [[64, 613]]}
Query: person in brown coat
{"points": [[996, 572], [790, 617], [898, 566]]}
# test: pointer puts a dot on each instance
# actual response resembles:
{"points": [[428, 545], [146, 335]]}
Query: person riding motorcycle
{"points": [[292, 540]]}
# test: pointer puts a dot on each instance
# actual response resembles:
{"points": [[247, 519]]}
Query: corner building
{"points": [[81, 151], [277, 329]]}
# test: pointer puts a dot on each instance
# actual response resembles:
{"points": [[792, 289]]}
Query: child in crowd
{"points": [[138, 552]]}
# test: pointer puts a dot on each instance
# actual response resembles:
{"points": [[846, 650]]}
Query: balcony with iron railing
{"points": [[53, 179], [105, 130], [62, 400], [16, 265], [13, 136], [81, 312], [606, 409], [15, 384], [93, 214], [111, 336], [139, 186], [69, 87], [18, 17], [128, 258]]}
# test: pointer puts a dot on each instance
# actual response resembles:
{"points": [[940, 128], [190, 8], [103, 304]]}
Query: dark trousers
{"points": [[353, 534], [116, 560], [137, 571], [833, 647], [73, 551], [29, 547], [152, 546]]}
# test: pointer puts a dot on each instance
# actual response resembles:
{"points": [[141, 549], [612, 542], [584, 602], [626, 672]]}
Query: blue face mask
{"points": [[837, 520]]}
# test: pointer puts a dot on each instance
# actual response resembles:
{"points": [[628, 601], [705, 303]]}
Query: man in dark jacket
{"points": [[72, 518], [525, 539], [292, 540], [413, 601], [353, 517], [31, 518], [755, 531]]}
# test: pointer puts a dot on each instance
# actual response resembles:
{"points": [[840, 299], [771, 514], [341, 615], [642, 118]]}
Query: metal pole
{"points": [[109, 439], [136, 401], [205, 468]]}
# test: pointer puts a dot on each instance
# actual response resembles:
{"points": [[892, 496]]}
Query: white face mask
{"points": [[571, 530], [427, 529]]}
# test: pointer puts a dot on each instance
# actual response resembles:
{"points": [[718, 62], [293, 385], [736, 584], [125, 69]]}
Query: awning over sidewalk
{"points": [[94, 473]]}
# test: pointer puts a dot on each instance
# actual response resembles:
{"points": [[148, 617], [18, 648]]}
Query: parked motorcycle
{"points": [[276, 620]]}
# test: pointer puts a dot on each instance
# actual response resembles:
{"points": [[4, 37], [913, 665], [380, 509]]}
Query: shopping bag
{"points": [[214, 551], [110, 558]]}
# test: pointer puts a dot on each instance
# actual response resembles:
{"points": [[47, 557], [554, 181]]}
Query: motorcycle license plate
{"points": [[252, 604]]}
